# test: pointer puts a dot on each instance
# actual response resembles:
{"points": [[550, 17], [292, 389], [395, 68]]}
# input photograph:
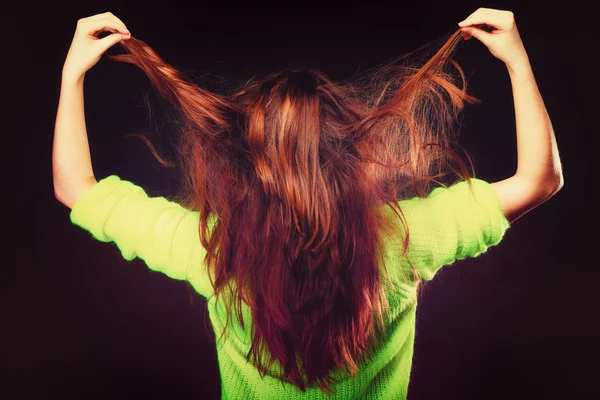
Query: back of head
{"points": [[288, 174]]}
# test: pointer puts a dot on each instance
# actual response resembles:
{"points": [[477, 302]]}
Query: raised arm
{"points": [[539, 171], [71, 162], [72, 172]]}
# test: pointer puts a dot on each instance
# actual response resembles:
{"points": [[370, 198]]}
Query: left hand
{"points": [[86, 48]]}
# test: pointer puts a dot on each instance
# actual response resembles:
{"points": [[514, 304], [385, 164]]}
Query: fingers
{"points": [[478, 20], [117, 19], [111, 40], [465, 35], [498, 19], [477, 33], [99, 22]]}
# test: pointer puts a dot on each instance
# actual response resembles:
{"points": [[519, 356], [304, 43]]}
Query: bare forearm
{"points": [[538, 158], [71, 161]]}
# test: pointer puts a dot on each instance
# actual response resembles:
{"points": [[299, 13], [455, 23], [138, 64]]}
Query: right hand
{"points": [[504, 41]]}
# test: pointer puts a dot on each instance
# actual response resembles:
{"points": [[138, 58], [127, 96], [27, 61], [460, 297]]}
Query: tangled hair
{"points": [[295, 169]]}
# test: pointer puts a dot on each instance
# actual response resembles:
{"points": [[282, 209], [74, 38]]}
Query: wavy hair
{"points": [[295, 168]]}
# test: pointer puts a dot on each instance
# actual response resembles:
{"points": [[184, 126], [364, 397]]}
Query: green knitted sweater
{"points": [[449, 224]]}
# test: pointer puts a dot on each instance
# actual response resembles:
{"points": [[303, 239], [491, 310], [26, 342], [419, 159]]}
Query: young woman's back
{"points": [[307, 211]]}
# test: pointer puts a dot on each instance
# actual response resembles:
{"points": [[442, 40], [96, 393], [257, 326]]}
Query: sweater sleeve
{"points": [[453, 223], [160, 232]]}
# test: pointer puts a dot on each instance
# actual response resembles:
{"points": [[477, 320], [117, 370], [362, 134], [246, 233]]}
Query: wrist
{"points": [[519, 67], [70, 78]]}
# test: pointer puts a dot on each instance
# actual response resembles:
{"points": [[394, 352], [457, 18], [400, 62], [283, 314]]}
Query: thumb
{"points": [[477, 33], [110, 40]]}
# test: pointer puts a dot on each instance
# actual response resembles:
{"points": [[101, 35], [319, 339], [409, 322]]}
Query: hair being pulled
{"points": [[289, 173]]}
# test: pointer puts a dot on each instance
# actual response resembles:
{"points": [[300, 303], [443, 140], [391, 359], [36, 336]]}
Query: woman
{"points": [[298, 193]]}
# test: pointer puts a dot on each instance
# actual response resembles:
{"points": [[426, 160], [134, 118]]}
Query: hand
{"points": [[497, 30], [86, 48]]}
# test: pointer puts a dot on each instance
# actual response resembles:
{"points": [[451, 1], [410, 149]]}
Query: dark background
{"points": [[520, 322]]}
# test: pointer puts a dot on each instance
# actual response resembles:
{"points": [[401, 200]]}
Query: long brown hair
{"points": [[295, 168]]}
